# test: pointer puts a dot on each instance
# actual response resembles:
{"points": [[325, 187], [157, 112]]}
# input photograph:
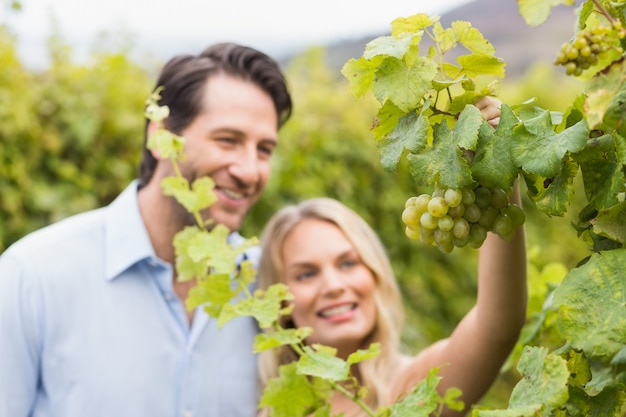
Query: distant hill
{"points": [[518, 44]]}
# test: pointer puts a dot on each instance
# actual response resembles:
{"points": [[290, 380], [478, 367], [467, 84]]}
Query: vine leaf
{"points": [[492, 164], [265, 306], [364, 354], [542, 389], [212, 292], [602, 171], [194, 199], [360, 74], [610, 223], [444, 158], [403, 85], [323, 363], [590, 303], [291, 394], [535, 12], [421, 401], [553, 200], [537, 149], [265, 341], [410, 133]]}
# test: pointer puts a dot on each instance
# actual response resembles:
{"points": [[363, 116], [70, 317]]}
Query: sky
{"points": [[165, 28]]}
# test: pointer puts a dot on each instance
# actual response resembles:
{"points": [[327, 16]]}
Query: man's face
{"points": [[232, 141]]}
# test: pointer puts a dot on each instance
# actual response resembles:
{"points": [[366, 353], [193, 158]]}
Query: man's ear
{"points": [[152, 128]]}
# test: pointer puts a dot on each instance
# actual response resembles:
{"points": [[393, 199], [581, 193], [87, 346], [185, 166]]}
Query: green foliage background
{"points": [[71, 135]]}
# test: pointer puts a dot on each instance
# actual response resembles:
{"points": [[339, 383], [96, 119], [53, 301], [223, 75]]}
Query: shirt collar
{"points": [[127, 241]]}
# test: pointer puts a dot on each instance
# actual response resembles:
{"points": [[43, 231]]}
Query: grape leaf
{"points": [[492, 164], [390, 46], [466, 128], [554, 199], [412, 24], [410, 133], [364, 354], [472, 39], [290, 394], [166, 144], [212, 292], [590, 302], [610, 223], [421, 401], [386, 120], [444, 159], [536, 148], [542, 389], [616, 111], [360, 74], [324, 364], [265, 341], [603, 176], [446, 38], [264, 306], [194, 199], [404, 85], [596, 105], [535, 12], [475, 65]]}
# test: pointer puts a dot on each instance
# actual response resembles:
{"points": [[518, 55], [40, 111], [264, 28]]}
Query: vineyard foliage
{"points": [[72, 136]]}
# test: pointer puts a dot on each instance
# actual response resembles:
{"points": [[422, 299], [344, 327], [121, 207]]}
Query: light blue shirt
{"points": [[90, 327]]}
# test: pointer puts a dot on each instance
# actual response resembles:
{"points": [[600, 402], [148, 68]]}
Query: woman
{"points": [[343, 287]]}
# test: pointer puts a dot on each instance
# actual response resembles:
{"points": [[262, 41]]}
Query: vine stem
{"points": [[604, 12], [354, 398]]}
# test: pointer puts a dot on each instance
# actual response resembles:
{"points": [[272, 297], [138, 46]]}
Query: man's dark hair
{"points": [[183, 78]]}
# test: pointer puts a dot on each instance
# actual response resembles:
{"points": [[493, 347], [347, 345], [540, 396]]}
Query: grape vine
{"points": [[426, 118]]}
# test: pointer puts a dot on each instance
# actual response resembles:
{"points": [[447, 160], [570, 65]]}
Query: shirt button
{"points": [[169, 297], [187, 413]]}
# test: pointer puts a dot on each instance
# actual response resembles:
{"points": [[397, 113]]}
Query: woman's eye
{"points": [[304, 275], [349, 263]]}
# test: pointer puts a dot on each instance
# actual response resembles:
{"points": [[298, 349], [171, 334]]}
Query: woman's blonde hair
{"points": [[375, 373]]}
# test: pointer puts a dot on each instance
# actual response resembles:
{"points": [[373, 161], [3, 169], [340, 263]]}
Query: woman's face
{"points": [[333, 289]]}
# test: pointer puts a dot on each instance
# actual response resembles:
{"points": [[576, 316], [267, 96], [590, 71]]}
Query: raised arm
{"points": [[471, 358]]}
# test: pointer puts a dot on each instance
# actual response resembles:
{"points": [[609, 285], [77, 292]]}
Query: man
{"points": [[92, 318]]}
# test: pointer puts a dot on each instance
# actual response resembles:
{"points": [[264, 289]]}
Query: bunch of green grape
{"points": [[582, 52], [452, 217]]}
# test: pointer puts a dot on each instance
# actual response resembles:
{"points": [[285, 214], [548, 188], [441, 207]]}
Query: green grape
{"points": [[410, 201], [411, 233], [427, 236], [477, 235], [461, 228], [446, 247], [516, 214], [460, 242], [411, 216], [428, 221], [442, 236], [457, 211], [421, 202], [453, 197], [438, 207], [483, 196], [445, 223], [499, 198], [503, 225], [468, 196], [487, 216], [472, 213]]}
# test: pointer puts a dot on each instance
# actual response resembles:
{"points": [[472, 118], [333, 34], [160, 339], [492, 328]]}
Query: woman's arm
{"points": [[471, 358]]}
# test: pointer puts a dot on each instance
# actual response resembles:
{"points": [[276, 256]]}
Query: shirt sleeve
{"points": [[20, 337]]}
